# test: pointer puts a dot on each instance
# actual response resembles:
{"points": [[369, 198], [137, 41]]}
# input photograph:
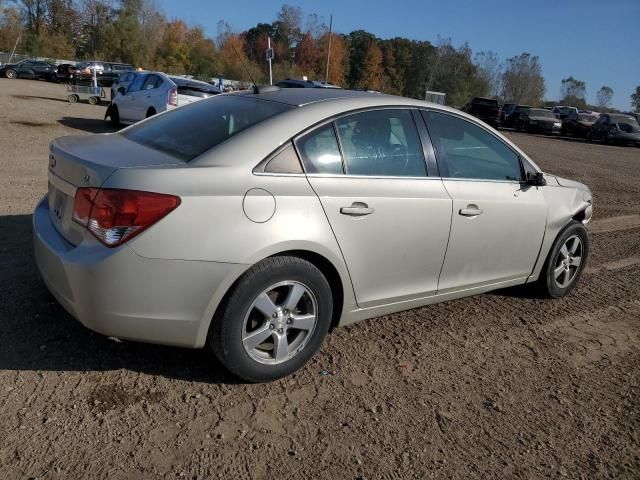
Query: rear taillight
{"points": [[173, 97], [115, 216]]}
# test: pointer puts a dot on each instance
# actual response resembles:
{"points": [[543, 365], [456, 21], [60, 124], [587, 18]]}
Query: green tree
{"points": [[522, 80], [604, 96], [573, 92], [635, 100]]}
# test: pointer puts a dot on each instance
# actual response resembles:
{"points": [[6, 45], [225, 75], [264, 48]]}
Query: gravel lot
{"points": [[500, 385]]}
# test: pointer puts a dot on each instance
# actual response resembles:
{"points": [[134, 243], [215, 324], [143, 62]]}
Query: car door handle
{"points": [[357, 209], [471, 211]]}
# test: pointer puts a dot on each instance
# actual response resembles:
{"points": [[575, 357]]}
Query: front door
{"points": [[391, 220], [126, 102], [498, 222]]}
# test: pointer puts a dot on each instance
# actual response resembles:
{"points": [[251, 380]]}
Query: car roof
{"points": [[299, 97]]}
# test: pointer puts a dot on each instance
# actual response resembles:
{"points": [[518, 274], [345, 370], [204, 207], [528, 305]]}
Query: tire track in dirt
{"points": [[614, 224]]}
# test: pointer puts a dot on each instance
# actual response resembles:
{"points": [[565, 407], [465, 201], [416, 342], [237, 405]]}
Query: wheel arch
{"points": [[338, 283], [575, 209]]}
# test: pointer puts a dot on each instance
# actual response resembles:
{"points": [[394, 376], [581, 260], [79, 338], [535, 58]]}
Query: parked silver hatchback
{"points": [[255, 222]]}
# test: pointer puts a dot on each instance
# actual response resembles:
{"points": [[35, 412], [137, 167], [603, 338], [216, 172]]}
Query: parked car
{"points": [[254, 222], [486, 109], [296, 83], [123, 81], [65, 72], [34, 69], [561, 112], [579, 124], [615, 128], [511, 120], [154, 92], [106, 72], [537, 120], [506, 110]]}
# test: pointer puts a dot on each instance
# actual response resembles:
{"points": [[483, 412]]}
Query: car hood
{"points": [[543, 119], [564, 182]]}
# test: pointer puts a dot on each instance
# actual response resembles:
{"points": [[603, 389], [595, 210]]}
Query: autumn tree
{"points": [[11, 28], [308, 56], [372, 69], [338, 58], [173, 53], [203, 59]]}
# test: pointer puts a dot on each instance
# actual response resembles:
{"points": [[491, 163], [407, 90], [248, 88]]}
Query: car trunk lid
{"points": [[87, 161]]}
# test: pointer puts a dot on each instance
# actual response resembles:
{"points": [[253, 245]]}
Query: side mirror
{"points": [[122, 91], [535, 179]]}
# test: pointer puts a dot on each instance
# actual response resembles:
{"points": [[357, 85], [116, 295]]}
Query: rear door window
{"points": [[151, 82], [381, 143], [193, 129], [469, 151]]}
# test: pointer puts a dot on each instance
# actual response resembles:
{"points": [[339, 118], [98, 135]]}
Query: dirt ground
{"points": [[500, 385]]}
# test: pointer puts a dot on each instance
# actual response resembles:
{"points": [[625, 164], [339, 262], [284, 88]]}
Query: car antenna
{"points": [[255, 86]]}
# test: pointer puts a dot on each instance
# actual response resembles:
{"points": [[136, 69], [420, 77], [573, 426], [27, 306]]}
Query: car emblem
{"points": [[87, 178], [52, 161]]}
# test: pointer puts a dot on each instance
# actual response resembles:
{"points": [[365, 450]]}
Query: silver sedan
{"points": [[256, 222]]}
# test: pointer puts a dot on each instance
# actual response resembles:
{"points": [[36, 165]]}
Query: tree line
{"points": [[138, 32]]}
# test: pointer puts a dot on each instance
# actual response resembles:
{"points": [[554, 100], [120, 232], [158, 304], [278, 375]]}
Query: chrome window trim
{"points": [[269, 174], [458, 179], [369, 177]]}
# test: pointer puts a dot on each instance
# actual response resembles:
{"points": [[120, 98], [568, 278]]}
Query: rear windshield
{"points": [[588, 118], [196, 91], [191, 130], [539, 112]]}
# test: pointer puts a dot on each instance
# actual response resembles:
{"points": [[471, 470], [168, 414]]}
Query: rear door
{"points": [[149, 96], [498, 222], [390, 215]]}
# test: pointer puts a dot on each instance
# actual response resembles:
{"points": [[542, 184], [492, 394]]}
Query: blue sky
{"points": [[597, 41]]}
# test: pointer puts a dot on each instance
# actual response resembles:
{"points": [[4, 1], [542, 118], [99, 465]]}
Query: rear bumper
{"points": [[118, 293]]}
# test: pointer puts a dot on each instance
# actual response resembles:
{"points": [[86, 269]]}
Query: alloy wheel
{"points": [[568, 261], [279, 322]]}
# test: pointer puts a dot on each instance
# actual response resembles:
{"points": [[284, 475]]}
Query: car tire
{"points": [[94, 100], [565, 262], [114, 116], [254, 333], [73, 98], [151, 112], [12, 74]]}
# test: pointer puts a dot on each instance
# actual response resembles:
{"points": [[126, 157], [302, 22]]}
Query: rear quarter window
{"points": [[193, 129]]}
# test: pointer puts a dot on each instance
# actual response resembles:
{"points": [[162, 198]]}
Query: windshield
{"points": [[538, 112], [588, 118], [189, 131]]}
